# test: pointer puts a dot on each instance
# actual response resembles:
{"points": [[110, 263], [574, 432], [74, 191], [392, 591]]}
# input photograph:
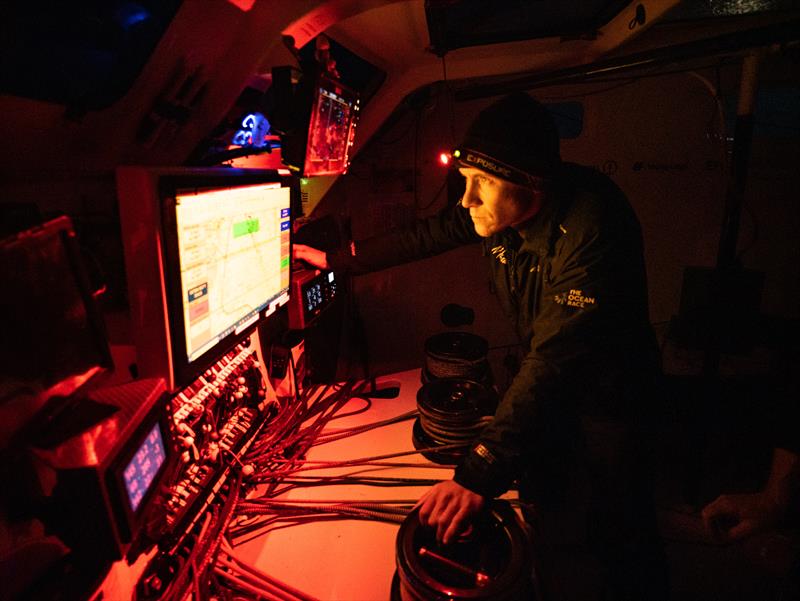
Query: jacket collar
{"points": [[539, 233], [535, 235]]}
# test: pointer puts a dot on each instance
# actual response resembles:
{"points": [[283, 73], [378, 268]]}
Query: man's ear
{"points": [[537, 184]]}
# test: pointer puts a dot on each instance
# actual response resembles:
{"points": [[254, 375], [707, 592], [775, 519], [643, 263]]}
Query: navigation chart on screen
{"points": [[234, 254]]}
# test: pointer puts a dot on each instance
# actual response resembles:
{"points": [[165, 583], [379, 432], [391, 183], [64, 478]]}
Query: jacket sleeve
{"points": [[588, 305], [445, 231]]}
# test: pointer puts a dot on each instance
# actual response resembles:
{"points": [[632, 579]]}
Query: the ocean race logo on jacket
{"points": [[499, 253], [574, 298]]}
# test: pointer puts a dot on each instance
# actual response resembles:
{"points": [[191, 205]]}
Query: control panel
{"points": [[214, 420], [312, 292]]}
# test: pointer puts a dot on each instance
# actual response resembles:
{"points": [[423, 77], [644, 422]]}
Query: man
{"points": [[566, 257]]}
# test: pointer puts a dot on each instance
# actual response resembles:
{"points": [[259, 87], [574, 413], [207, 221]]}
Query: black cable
{"points": [[451, 103], [313, 481], [367, 406], [302, 436], [414, 166], [627, 80], [399, 138], [755, 234], [339, 434]]}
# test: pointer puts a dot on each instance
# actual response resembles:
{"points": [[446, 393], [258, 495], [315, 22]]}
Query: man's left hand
{"points": [[449, 508]]}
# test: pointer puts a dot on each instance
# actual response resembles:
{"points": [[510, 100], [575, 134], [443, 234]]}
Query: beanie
{"points": [[513, 138]]}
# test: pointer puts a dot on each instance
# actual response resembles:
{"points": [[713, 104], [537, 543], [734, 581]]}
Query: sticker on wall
{"points": [[610, 167], [662, 167]]}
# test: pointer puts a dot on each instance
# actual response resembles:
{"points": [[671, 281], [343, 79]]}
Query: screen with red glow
{"points": [[331, 129]]}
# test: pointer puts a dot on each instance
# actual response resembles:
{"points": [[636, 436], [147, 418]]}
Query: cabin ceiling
{"points": [[213, 48], [528, 38]]}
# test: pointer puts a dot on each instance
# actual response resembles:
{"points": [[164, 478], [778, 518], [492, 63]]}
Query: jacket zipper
{"points": [[512, 261], [537, 283], [536, 268]]}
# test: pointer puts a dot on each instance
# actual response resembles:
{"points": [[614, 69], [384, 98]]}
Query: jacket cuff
{"points": [[482, 473], [340, 260]]}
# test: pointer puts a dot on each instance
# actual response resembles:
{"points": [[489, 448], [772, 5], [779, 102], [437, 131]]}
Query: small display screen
{"points": [[313, 297], [142, 469], [318, 293]]}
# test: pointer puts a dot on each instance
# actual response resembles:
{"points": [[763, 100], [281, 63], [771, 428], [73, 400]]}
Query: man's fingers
{"points": [[422, 499], [742, 529], [447, 508], [718, 510], [437, 512], [444, 523], [313, 256], [456, 525], [428, 508], [721, 504]]}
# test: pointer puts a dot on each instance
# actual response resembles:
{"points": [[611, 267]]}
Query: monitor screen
{"points": [[331, 128], [228, 263], [53, 335], [141, 471]]}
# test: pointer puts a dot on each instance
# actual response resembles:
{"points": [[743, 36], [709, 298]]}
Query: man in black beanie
{"points": [[566, 257]]}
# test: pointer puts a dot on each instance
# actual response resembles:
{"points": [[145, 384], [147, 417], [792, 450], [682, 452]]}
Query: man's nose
{"points": [[470, 199]]}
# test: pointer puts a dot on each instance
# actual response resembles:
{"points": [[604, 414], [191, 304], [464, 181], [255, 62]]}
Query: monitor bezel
{"points": [[169, 187]]}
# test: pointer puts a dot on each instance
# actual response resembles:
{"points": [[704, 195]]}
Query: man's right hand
{"points": [[312, 256], [448, 508], [733, 517]]}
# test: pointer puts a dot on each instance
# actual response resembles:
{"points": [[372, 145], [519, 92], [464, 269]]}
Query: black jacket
{"points": [[573, 282]]}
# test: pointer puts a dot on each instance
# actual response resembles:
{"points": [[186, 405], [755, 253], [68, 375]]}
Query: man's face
{"points": [[495, 204]]}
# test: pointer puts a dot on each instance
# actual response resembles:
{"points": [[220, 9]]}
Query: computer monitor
{"points": [[208, 255]]}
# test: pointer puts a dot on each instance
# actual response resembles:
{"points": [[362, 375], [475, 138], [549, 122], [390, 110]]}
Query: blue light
{"points": [[253, 131], [131, 14], [242, 138]]}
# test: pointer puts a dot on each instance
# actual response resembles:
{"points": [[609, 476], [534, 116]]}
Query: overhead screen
{"points": [[331, 129], [316, 121]]}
